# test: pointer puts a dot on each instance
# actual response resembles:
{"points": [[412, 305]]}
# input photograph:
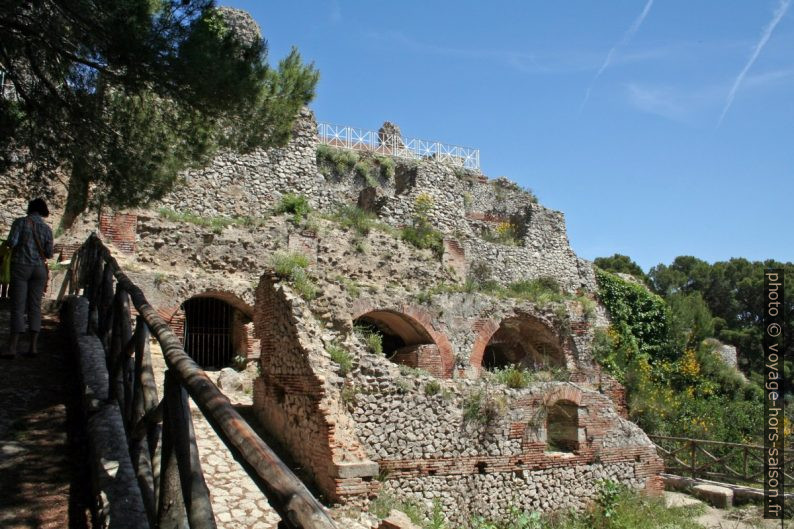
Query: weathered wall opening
{"points": [[525, 342], [404, 340], [562, 427], [216, 329]]}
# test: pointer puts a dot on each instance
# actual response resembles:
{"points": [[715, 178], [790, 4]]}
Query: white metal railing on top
{"points": [[395, 145]]}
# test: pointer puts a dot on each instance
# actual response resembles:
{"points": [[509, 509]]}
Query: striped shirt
{"points": [[21, 239]]}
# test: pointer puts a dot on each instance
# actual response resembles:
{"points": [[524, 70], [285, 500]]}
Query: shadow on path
{"points": [[41, 481]]}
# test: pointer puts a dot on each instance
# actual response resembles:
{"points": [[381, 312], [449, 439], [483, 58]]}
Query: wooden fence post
{"points": [[171, 509]]}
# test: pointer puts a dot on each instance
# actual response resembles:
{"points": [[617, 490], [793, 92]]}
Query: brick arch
{"points": [[229, 297], [567, 393], [485, 328], [417, 317], [243, 336]]}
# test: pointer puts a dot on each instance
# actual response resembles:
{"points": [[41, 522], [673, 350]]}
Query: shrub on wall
{"points": [[421, 232], [339, 163], [293, 204]]}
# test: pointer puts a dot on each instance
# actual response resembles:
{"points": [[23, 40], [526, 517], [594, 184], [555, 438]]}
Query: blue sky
{"points": [[654, 163]]}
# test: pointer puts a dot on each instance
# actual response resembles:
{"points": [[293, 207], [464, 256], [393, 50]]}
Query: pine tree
{"points": [[125, 94]]}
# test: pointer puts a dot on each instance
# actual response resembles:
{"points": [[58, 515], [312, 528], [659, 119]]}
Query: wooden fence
{"points": [[160, 432], [740, 464]]}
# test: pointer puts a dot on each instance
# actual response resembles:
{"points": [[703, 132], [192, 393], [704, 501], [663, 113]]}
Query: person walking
{"points": [[30, 240]]}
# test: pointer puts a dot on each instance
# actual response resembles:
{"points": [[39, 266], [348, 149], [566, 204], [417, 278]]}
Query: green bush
{"points": [[617, 507], [355, 218], [432, 388], [295, 205], [371, 337], [482, 407], [341, 162], [285, 263], [341, 356], [292, 267], [513, 376], [421, 232], [335, 161]]}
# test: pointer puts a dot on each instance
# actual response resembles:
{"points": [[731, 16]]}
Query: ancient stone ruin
{"points": [[420, 412]]}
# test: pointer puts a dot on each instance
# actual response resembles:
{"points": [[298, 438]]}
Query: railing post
{"points": [[171, 512], [692, 447], [178, 423]]}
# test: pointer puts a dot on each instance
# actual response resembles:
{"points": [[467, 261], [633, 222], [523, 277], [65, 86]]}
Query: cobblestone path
{"points": [[236, 500]]}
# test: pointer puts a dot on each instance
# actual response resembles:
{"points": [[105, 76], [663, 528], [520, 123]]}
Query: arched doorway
{"points": [[403, 340], [214, 331], [524, 342]]}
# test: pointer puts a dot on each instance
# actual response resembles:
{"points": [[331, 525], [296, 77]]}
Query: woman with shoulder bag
{"points": [[31, 242]]}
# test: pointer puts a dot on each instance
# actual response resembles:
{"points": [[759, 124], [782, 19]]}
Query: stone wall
{"points": [[414, 433], [298, 404], [465, 204]]}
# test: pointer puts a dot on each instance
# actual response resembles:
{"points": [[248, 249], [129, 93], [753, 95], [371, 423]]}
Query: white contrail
{"points": [[782, 7], [622, 42]]}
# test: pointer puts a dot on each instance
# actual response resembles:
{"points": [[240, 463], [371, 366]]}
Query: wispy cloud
{"points": [[627, 36], [536, 62], [695, 105], [782, 7]]}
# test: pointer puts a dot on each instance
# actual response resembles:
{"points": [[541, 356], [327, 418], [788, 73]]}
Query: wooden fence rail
{"points": [[160, 432], [741, 464]]}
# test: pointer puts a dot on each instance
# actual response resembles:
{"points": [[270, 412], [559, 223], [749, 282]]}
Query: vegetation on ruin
{"points": [[512, 376], [504, 233], [292, 267], [216, 223], [421, 232], [674, 386], [354, 218], [128, 94], [371, 337], [616, 507], [337, 163], [483, 406], [341, 356], [543, 291], [293, 204], [432, 388]]}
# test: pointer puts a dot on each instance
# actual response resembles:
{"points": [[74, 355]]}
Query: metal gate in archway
{"points": [[208, 331]]}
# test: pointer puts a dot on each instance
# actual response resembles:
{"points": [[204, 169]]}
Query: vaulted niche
{"points": [[525, 342], [403, 339]]}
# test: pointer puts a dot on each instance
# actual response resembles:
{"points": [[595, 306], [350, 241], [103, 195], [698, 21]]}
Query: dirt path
{"points": [[745, 517], [37, 476]]}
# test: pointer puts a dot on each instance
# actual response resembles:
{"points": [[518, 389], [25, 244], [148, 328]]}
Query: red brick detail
{"points": [[454, 257], [424, 356], [486, 216], [484, 329], [120, 228], [177, 323], [567, 392], [580, 328], [361, 307], [65, 252]]}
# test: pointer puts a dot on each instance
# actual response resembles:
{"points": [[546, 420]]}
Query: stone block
{"points": [[720, 497], [360, 469], [397, 520]]}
